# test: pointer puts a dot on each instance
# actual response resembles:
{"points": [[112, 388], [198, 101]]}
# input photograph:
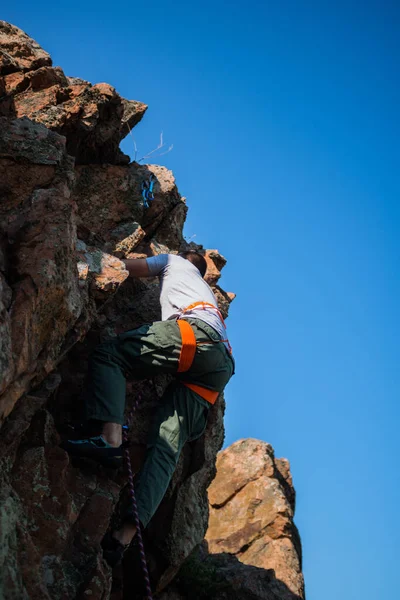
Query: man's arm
{"points": [[137, 267], [147, 267]]}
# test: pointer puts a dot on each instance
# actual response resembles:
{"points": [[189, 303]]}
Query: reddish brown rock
{"points": [[110, 195], [19, 52], [125, 238], [93, 118], [38, 232], [253, 549], [251, 513], [238, 466], [56, 515], [103, 272], [224, 299], [215, 264], [42, 78]]}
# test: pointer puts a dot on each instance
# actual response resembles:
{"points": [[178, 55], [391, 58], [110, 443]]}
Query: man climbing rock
{"points": [[190, 343]]}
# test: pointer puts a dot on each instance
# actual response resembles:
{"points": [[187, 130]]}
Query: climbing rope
{"points": [[147, 191], [131, 487]]}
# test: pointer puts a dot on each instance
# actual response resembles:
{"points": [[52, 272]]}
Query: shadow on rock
{"points": [[223, 577]]}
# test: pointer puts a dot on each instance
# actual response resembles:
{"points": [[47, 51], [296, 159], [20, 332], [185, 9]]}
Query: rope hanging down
{"points": [[147, 190], [143, 561]]}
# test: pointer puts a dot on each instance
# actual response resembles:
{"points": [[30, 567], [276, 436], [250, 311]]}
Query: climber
{"points": [[190, 343]]}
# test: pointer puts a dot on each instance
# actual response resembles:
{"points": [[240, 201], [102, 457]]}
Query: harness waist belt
{"points": [[186, 357], [205, 305]]}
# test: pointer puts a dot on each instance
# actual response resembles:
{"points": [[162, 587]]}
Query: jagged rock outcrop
{"points": [[252, 548], [252, 503], [93, 118], [70, 210]]}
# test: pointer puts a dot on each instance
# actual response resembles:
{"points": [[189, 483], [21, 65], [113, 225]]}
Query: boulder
{"points": [[251, 514]]}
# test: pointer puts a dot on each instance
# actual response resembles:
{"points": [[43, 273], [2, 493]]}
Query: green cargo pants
{"points": [[182, 415]]}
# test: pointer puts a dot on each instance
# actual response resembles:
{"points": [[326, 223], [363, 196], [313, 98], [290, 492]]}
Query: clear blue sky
{"points": [[285, 124]]}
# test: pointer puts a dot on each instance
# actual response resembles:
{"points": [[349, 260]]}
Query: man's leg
{"points": [[141, 353], [182, 416]]}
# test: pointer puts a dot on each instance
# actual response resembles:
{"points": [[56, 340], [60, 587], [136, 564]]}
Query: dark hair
{"points": [[196, 259]]}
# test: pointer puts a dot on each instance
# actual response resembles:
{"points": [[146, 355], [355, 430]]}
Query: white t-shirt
{"points": [[182, 285]]}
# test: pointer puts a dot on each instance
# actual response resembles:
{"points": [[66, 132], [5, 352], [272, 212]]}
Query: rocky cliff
{"points": [[70, 209], [252, 504], [252, 548]]}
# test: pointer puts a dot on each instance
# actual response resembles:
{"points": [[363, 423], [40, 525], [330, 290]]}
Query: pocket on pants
{"points": [[166, 334]]}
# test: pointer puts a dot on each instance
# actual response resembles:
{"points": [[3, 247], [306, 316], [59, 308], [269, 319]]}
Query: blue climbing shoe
{"points": [[95, 448]]}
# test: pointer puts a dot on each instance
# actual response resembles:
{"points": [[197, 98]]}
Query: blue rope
{"points": [[147, 191]]}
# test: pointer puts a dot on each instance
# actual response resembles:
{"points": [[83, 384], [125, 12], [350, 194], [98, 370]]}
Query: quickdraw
{"points": [[147, 190]]}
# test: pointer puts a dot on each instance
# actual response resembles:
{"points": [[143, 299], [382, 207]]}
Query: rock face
{"points": [[93, 118], [40, 300], [70, 210], [252, 505]]}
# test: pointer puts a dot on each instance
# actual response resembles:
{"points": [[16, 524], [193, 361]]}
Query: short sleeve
{"points": [[157, 264]]}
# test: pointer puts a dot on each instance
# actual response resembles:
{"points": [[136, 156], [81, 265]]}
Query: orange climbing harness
{"points": [[188, 350], [205, 305]]}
